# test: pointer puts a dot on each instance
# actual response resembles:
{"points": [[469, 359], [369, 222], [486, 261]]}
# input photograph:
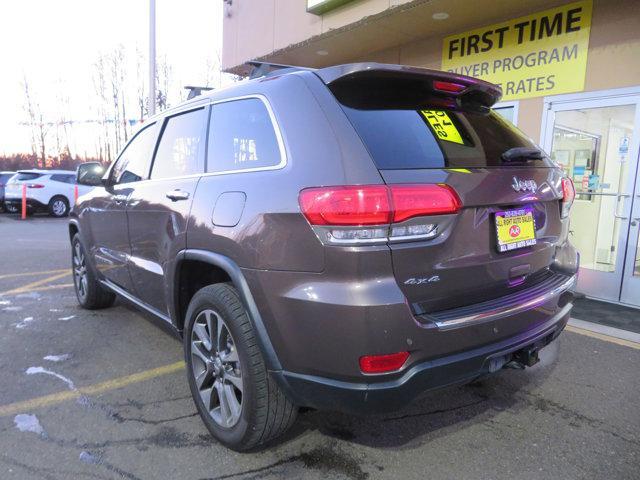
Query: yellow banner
{"points": [[442, 125], [540, 54]]}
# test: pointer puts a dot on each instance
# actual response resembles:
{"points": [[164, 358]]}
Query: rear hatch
{"points": [[13, 188], [425, 127]]}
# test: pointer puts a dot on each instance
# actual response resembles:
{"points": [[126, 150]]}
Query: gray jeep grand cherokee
{"points": [[342, 238]]}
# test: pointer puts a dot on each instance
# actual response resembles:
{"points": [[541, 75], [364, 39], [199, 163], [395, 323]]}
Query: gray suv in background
{"points": [[342, 238]]}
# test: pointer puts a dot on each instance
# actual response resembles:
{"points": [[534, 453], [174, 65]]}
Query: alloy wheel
{"points": [[216, 368], [79, 270], [59, 208]]}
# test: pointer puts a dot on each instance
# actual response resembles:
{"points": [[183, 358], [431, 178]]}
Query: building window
{"points": [[508, 110]]}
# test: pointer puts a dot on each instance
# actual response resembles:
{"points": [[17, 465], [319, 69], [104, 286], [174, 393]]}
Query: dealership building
{"points": [[569, 72]]}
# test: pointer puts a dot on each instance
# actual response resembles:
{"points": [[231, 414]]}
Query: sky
{"points": [[54, 44]]}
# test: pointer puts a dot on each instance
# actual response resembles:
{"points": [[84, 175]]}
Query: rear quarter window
{"points": [[242, 136]]}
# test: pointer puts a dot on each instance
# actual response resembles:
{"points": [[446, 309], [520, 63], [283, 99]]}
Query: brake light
{"points": [[383, 363], [449, 87], [568, 196], [35, 185]]}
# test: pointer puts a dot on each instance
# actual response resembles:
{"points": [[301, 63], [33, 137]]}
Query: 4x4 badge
{"points": [[419, 281], [524, 185]]}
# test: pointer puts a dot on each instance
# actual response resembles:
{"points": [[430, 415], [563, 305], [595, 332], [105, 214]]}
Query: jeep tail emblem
{"points": [[524, 185]]}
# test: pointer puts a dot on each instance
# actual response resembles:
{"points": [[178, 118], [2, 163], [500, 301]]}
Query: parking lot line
{"points": [[98, 388], [33, 274], [32, 286], [601, 336]]}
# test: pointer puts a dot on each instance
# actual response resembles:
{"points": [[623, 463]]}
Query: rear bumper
{"points": [[358, 398]]}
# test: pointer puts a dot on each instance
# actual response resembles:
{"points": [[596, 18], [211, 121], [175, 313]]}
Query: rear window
{"points": [[24, 176], [413, 139]]}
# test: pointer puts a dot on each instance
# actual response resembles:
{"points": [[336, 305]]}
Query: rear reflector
{"points": [[449, 87], [568, 195], [376, 204], [383, 363]]}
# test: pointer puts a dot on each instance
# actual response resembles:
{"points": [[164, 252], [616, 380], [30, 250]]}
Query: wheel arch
{"points": [[73, 228], [235, 276]]}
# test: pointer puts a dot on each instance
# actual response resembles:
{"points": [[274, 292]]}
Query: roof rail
{"points": [[262, 69], [196, 91]]}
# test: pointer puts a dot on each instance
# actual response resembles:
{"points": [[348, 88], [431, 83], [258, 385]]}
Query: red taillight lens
{"points": [[35, 185], [449, 87], [376, 204], [568, 195], [353, 205], [383, 363], [418, 200]]}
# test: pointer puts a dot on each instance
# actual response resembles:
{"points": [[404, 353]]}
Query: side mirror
{"points": [[90, 174]]}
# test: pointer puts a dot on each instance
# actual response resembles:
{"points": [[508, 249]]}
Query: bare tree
{"points": [[39, 128], [100, 88], [141, 93]]}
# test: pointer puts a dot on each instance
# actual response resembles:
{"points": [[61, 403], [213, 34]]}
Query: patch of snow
{"points": [[36, 370], [12, 309], [57, 358], [25, 321], [28, 423], [64, 319]]}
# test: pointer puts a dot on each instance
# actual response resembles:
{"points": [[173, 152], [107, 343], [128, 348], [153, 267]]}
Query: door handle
{"points": [[177, 195], [622, 196]]}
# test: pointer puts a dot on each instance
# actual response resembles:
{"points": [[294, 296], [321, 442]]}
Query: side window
{"points": [[63, 178], [242, 136], [181, 148], [133, 163]]}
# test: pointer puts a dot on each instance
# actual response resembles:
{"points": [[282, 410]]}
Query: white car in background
{"points": [[50, 191]]}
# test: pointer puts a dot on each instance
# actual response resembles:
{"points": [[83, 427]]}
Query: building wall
{"points": [[613, 61], [258, 28]]}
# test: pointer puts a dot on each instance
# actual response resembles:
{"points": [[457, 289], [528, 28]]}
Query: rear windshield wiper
{"points": [[522, 153]]}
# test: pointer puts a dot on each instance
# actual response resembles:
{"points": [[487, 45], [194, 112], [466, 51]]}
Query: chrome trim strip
{"points": [[501, 312], [127, 296]]}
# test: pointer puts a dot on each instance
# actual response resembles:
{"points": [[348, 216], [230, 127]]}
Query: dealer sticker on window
{"points": [[515, 229]]}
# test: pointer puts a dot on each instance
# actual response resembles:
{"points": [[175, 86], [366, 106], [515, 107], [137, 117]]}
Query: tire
{"points": [[59, 206], [90, 294], [232, 364], [11, 208]]}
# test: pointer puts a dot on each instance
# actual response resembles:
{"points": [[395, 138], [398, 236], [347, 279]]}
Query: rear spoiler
{"points": [[377, 85]]}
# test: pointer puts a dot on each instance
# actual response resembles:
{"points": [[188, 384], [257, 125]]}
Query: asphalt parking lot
{"points": [[103, 395]]}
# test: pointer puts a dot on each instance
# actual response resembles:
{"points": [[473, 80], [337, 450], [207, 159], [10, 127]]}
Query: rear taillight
{"points": [[419, 200], [568, 195], [35, 185], [356, 205], [374, 213], [372, 364]]}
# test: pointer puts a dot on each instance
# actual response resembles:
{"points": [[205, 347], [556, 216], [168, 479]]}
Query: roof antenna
{"points": [[196, 91]]}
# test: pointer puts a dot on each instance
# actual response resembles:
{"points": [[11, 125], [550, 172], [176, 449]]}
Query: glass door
{"points": [[631, 281], [596, 143]]}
